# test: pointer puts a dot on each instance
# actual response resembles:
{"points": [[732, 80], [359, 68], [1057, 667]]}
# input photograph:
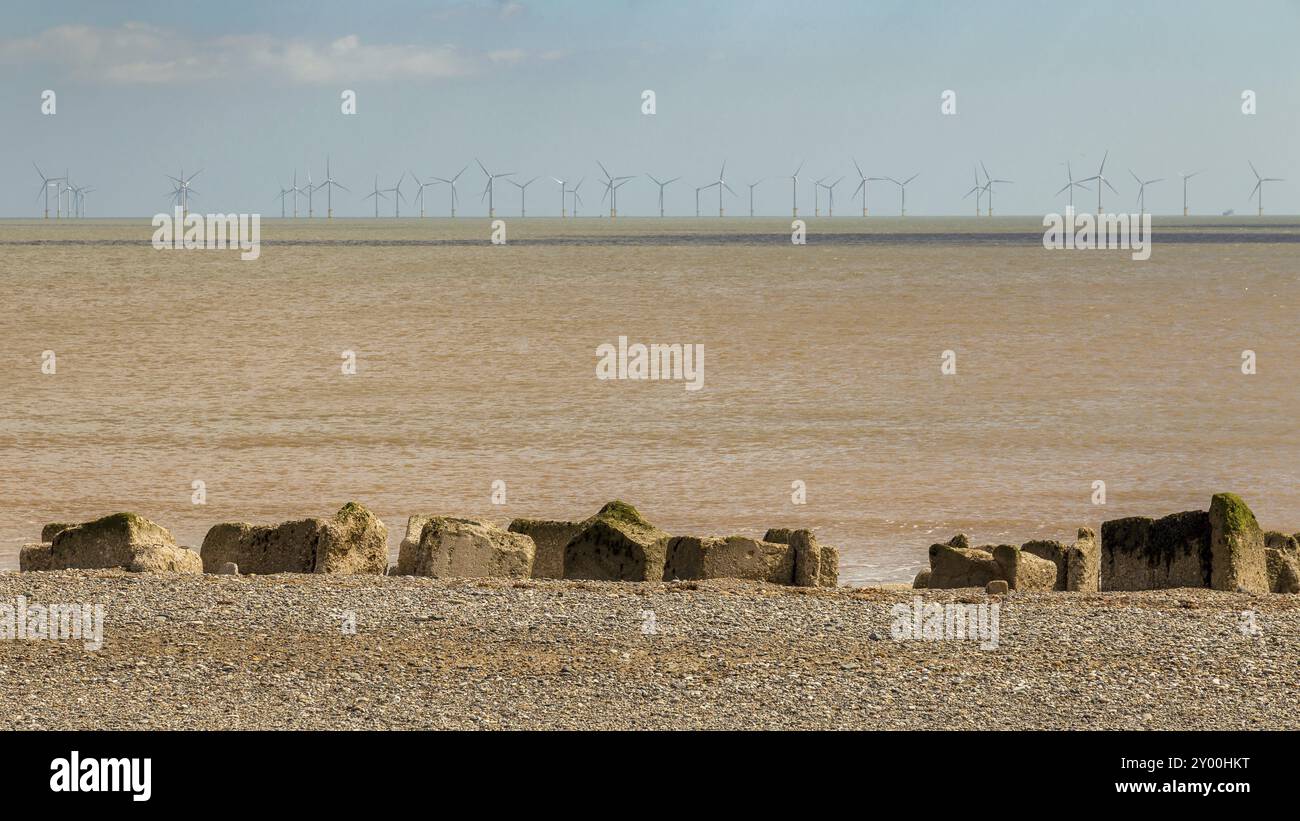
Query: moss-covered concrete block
{"points": [[617, 544], [550, 538], [1236, 546], [1138, 553], [952, 567]]}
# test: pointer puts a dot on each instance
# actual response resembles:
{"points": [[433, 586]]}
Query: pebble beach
{"points": [[306, 651]]}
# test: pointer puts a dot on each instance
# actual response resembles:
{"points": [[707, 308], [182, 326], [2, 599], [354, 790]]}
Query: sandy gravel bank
{"points": [[274, 652]]}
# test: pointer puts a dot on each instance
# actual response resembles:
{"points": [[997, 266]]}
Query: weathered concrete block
{"points": [[1283, 571], [1138, 553], [1054, 552], [165, 558], [550, 538], [617, 544], [1236, 546], [961, 567], [732, 557], [35, 557], [1084, 563], [229, 569], [410, 542], [960, 540], [1272, 538], [1024, 571], [997, 587], [464, 548], [922, 580], [353, 541], [815, 564], [112, 541]]}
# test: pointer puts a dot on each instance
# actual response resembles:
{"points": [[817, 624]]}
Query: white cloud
{"points": [[139, 53]]}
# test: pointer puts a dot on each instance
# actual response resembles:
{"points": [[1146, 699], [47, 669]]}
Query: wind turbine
{"points": [[1100, 180], [817, 190], [183, 189], [988, 186], [698, 189], [902, 191], [296, 191], [794, 190], [45, 188], [978, 191], [721, 183], [284, 192], [1187, 177], [662, 185], [488, 191], [81, 198], [452, 183], [751, 196], [830, 197], [612, 184], [523, 192], [1142, 190], [863, 186], [377, 194], [329, 183], [397, 197], [1070, 184], [419, 191], [1259, 186], [310, 212], [576, 198], [563, 201]]}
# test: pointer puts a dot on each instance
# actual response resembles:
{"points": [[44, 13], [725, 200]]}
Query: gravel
{"points": [[241, 652]]}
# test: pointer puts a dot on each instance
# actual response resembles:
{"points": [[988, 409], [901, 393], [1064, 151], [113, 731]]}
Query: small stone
{"points": [[229, 569], [997, 587]]}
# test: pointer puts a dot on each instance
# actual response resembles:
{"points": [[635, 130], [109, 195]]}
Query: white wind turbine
{"points": [[698, 189], [523, 192], [452, 183], [662, 185], [1259, 186], [284, 192], [377, 194], [794, 191], [612, 184], [563, 199], [862, 186], [902, 192], [419, 190], [296, 191], [1101, 180], [1142, 190], [752, 185], [988, 186], [81, 200], [45, 188], [329, 184], [1070, 184], [721, 183], [577, 199], [817, 191], [488, 190], [830, 196], [183, 189], [310, 190], [398, 196], [1187, 177]]}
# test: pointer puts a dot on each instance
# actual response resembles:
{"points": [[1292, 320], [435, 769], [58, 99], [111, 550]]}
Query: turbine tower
{"points": [[1070, 184], [1259, 186], [1142, 190], [183, 190], [563, 200], [377, 194], [817, 190], [45, 188], [310, 189], [721, 183], [698, 189], [1187, 177], [830, 197], [489, 191], [662, 185], [523, 193], [978, 191], [988, 187], [452, 183], [329, 184], [576, 197], [284, 192], [902, 192]]}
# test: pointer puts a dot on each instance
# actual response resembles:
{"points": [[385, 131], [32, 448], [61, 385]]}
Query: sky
{"points": [[249, 92]]}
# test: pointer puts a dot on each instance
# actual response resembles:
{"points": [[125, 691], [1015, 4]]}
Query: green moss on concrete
{"points": [[620, 511], [1233, 512]]}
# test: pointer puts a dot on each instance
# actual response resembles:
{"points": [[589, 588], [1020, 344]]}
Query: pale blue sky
{"points": [[249, 91]]}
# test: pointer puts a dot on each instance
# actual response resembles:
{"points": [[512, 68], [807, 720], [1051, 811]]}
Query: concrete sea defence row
{"points": [[1222, 548], [616, 544]]}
